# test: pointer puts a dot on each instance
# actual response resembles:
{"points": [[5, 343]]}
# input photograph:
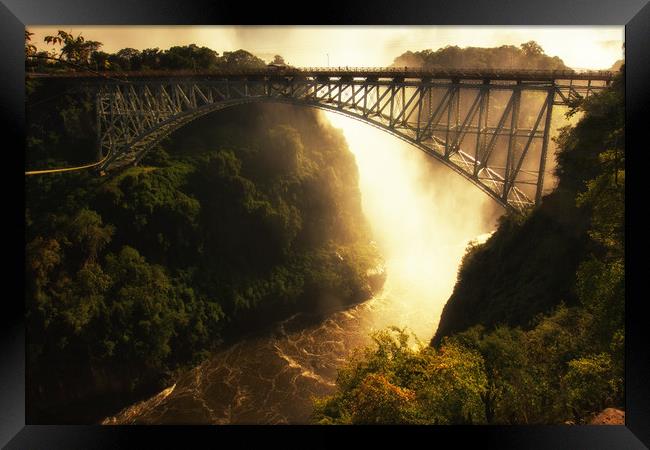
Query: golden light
{"points": [[580, 47], [422, 214]]}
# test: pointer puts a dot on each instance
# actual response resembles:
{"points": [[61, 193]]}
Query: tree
{"points": [[150, 58], [127, 59], [142, 311], [30, 52], [189, 57], [378, 401], [277, 59], [30, 49], [391, 382], [592, 384], [241, 59], [100, 60], [532, 48], [88, 234], [41, 257], [74, 49]]}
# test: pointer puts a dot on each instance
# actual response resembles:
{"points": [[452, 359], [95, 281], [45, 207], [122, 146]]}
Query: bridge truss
{"points": [[491, 128]]}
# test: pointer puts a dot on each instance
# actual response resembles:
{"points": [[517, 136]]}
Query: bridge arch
{"points": [[433, 112], [153, 137]]}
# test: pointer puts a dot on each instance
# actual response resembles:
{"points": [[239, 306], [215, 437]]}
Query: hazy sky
{"points": [[579, 47]]}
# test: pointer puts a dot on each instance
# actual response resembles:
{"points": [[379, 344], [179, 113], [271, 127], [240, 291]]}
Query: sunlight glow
{"points": [[422, 214], [594, 47]]}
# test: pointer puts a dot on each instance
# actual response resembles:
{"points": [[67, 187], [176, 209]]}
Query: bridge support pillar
{"points": [[98, 125], [550, 99]]}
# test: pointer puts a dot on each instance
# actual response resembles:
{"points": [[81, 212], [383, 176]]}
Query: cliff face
{"points": [[529, 264], [526, 268]]}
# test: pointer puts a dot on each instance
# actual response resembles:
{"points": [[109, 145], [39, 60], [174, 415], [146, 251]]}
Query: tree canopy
{"points": [[529, 55], [85, 54]]}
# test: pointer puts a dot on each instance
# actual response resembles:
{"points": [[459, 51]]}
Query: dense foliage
{"points": [[250, 216], [534, 331], [529, 55], [394, 382], [77, 53], [239, 219]]}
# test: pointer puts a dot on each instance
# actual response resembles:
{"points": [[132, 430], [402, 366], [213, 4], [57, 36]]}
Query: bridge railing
{"points": [[463, 72], [406, 72]]}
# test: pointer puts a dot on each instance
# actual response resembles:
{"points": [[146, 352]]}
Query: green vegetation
{"points": [[534, 331], [393, 383], [527, 56], [243, 218], [237, 220], [77, 53]]}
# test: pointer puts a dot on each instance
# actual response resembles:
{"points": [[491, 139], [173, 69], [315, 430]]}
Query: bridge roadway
{"points": [[562, 76]]}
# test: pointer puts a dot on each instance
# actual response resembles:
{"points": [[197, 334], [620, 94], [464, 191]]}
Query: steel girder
{"points": [[495, 133]]}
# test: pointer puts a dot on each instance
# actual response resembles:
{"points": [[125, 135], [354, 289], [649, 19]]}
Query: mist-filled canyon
{"points": [[421, 216], [272, 260]]}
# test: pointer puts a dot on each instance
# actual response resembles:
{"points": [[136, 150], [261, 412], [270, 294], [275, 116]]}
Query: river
{"points": [[422, 216]]}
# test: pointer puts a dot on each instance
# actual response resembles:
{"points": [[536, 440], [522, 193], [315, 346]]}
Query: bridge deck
{"points": [[352, 72]]}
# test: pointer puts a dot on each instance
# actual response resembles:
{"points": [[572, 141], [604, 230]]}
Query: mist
{"points": [[422, 216]]}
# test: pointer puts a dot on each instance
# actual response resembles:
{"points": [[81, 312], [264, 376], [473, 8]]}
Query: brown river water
{"points": [[272, 379]]}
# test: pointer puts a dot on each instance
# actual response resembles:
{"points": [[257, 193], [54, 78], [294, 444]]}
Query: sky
{"points": [[357, 46]]}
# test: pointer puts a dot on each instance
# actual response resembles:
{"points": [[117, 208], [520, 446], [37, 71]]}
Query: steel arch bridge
{"points": [[490, 126]]}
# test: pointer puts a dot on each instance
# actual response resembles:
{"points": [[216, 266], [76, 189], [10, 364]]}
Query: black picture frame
{"points": [[633, 14]]}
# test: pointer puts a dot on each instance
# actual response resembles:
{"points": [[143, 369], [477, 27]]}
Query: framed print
{"points": [[364, 220]]}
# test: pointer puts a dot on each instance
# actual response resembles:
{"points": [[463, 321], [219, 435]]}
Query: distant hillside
{"points": [[527, 56]]}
